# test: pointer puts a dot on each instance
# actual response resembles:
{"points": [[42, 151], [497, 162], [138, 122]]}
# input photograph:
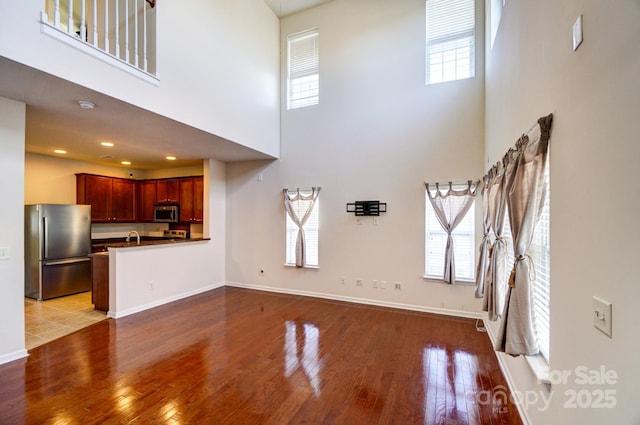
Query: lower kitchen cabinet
{"points": [[100, 281]]}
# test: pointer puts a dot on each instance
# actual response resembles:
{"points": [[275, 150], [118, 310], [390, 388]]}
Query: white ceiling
{"points": [[56, 121], [288, 7]]}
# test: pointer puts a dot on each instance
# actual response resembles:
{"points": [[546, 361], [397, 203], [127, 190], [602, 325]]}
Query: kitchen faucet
{"points": [[133, 232]]}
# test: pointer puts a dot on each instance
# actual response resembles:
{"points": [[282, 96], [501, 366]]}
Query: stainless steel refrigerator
{"points": [[57, 247]]}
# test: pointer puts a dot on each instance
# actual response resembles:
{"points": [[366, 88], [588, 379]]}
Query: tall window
{"points": [[463, 245], [540, 253], [303, 87], [541, 288], [311, 232], [450, 40]]}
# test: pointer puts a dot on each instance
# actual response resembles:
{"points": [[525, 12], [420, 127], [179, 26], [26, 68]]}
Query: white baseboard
{"points": [[6, 358], [505, 371], [138, 309], [402, 306]]}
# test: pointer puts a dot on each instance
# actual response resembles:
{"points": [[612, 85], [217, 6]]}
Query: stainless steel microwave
{"points": [[166, 214]]}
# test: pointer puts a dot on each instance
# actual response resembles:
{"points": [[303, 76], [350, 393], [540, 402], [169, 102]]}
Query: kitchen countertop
{"points": [[101, 245]]}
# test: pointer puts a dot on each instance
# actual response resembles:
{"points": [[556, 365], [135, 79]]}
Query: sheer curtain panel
{"points": [[300, 216], [526, 194], [450, 208], [485, 246], [498, 270]]}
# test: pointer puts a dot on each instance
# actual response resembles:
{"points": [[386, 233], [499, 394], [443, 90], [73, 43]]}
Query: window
{"points": [[311, 230], [450, 40], [302, 75], [540, 254], [463, 244]]}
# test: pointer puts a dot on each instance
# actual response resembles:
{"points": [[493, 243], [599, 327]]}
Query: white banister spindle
{"points": [[70, 19], [99, 23], [135, 33], [83, 21], [106, 25], [117, 28], [144, 36], [94, 41], [126, 31], [56, 14]]}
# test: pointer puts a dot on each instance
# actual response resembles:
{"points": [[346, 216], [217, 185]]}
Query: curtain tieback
{"points": [[532, 272], [493, 245]]}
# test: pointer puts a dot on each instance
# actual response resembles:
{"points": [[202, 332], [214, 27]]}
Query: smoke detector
{"points": [[85, 104]]}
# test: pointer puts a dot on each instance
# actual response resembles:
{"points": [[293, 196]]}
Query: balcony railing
{"points": [[122, 31]]}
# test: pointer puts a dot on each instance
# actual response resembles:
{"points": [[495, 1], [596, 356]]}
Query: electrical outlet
{"points": [[342, 280], [4, 253], [383, 284], [602, 311], [375, 283], [398, 286], [359, 221], [358, 282], [376, 221], [150, 285]]}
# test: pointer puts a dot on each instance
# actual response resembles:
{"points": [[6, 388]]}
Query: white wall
{"points": [[216, 60], [378, 133], [594, 94], [12, 121]]}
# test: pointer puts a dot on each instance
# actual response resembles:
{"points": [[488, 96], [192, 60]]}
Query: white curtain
{"points": [[485, 246], [526, 194], [450, 208], [299, 213], [498, 269]]}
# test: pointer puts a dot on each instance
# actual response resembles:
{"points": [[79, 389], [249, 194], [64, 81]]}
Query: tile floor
{"points": [[51, 319]]}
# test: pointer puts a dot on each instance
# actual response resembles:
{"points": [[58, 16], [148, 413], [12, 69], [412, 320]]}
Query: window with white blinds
{"points": [[450, 40], [303, 88], [540, 253], [463, 245], [311, 232]]}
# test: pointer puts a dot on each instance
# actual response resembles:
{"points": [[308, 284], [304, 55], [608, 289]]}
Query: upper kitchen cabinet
{"points": [[191, 199], [168, 191], [112, 199], [147, 199]]}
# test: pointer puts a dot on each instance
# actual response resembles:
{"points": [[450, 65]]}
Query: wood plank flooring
{"points": [[235, 356]]}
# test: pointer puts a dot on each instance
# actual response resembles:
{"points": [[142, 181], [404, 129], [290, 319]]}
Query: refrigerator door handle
{"points": [[45, 237], [62, 262]]}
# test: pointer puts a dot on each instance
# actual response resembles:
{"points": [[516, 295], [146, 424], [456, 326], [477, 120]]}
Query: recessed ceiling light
{"points": [[126, 163], [107, 144], [60, 151], [85, 104], [171, 158]]}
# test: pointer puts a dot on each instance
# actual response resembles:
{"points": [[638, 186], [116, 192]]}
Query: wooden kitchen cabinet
{"points": [[168, 191], [100, 281], [191, 199], [112, 199], [147, 199]]}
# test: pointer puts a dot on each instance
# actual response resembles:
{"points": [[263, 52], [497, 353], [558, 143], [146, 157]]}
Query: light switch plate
{"points": [[602, 315], [577, 33], [4, 253]]}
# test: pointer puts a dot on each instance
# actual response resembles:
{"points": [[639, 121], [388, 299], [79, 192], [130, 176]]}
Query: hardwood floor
{"points": [[235, 356]]}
